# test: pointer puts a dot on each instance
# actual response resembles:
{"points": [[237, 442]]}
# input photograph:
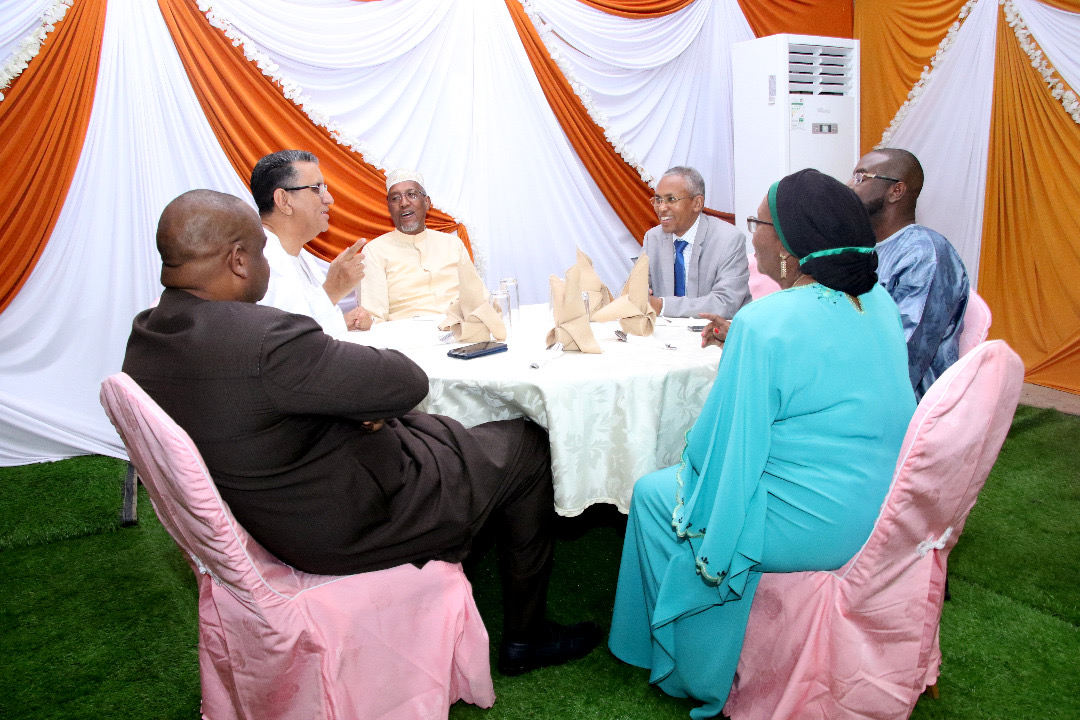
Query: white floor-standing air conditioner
{"points": [[796, 105]]}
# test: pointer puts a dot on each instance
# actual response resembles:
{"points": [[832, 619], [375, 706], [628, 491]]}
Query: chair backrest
{"points": [[760, 284], [185, 498], [950, 446], [977, 320]]}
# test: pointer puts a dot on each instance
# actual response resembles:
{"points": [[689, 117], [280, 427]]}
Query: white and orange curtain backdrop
{"points": [[995, 120], [538, 125]]}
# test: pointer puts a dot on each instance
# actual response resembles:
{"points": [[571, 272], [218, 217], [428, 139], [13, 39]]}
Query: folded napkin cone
{"points": [[572, 327], [471, 317], [632, 308], [599, 295]]}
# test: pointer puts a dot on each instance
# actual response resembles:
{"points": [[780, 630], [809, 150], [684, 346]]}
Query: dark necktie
{"points": [[680, 268]]}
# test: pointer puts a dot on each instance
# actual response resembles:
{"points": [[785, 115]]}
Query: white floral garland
{"points": [[293, 91], [31, 44], [917, 89], [584, 95], [1053, 81]]}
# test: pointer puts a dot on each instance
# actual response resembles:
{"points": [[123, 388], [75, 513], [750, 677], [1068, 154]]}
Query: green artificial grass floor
{"points": [[101, 622]]}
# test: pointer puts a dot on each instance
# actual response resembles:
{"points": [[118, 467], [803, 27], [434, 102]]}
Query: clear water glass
{"points": [[501, 302], [509, 285]]}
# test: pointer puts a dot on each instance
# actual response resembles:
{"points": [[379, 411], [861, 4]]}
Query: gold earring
{"points": [[783, 267]]}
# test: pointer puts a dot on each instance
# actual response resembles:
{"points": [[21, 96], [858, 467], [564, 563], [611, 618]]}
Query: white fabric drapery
{"points": [[948, 129], [17, 20], [147, 142], [449, 91], [1058, 34], [663, 83], [445, 87]]}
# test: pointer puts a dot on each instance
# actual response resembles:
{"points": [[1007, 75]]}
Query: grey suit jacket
{"points": [[717, 278]]}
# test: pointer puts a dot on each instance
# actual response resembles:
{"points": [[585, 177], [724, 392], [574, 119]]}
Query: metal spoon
{"points": [[622, 336], [556, 352]]}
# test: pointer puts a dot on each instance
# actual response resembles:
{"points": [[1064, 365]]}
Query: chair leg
{"points": [[933, 690], [129, 513]]}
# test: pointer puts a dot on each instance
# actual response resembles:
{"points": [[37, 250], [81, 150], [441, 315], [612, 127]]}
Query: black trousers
{"points": [[520, 519]]}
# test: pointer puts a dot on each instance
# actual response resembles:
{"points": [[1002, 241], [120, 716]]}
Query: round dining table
{"points": [[611, 416]]}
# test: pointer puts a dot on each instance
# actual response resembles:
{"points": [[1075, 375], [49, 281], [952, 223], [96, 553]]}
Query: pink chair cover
{"points": [[977, 320], [862, 641], [760, 284], [275, 642]]}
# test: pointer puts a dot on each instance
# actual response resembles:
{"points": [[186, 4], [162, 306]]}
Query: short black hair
{"points": [[275, 171]]}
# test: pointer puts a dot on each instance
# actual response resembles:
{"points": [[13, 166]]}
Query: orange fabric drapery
{"points": [[637, 8], [897, 38], [229, 86], [1030, 255], [828, 18], [1067, 5], [831, 18], [43, 121], [620, 184]]}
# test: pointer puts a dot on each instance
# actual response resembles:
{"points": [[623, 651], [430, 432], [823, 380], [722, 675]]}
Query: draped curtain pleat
{"points": [[897, 39], [828, 18], [1031, 256], [43, 121], [637, 8], [1068, 5], [620, 184], [229, 86]]}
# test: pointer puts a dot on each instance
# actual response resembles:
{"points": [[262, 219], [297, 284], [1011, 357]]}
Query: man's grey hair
{"points": [[694, 182], [275, 171]]}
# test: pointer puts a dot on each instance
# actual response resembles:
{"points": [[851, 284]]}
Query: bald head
{"points": [[892, 179], [211, 245], [901, 164]]}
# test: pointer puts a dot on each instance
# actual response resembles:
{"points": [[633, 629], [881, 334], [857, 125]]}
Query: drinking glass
{"points": [[509, 285], [501, 302]]}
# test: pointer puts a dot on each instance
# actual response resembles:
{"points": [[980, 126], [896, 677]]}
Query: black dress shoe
{"points": [[560, 643]]}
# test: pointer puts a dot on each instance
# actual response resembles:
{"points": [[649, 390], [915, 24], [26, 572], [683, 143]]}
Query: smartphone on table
{"points": [[468, 352]]}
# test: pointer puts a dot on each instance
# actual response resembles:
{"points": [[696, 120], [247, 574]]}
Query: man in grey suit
{"points": [[697, 263]]}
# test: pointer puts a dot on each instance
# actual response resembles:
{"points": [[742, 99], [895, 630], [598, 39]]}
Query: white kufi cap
{"points": [[403, 175]]}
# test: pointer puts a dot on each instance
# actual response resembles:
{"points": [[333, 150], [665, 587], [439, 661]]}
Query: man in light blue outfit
{"points": [[917, 266]]}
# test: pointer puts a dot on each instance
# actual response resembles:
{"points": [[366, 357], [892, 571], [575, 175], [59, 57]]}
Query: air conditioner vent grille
{"points": [[819, 70]]}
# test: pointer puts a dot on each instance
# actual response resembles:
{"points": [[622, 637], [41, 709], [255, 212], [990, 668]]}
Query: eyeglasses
{"points": [[752, 224], [319, 189], [410, 195], [657, 201], [858, 177]]}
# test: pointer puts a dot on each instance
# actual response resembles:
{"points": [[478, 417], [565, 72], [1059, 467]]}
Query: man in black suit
{"points": [[313, 443]]}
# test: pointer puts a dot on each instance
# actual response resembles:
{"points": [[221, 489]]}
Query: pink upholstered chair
{"points": [[760, 284], [862, 641], [278, 643], [977, 320]]}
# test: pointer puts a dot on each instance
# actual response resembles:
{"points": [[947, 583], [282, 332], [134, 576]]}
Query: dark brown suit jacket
{"points": [[275, 407]]}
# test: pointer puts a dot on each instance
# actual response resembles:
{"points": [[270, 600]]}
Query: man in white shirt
{"points": [[697, 263], [412, 270], [294, 206]]}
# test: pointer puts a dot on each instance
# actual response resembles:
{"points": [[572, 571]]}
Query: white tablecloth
{"points": [[611, 418]]}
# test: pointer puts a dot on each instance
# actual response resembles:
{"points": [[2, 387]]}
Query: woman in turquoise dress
{"points": [[788, 464]]}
